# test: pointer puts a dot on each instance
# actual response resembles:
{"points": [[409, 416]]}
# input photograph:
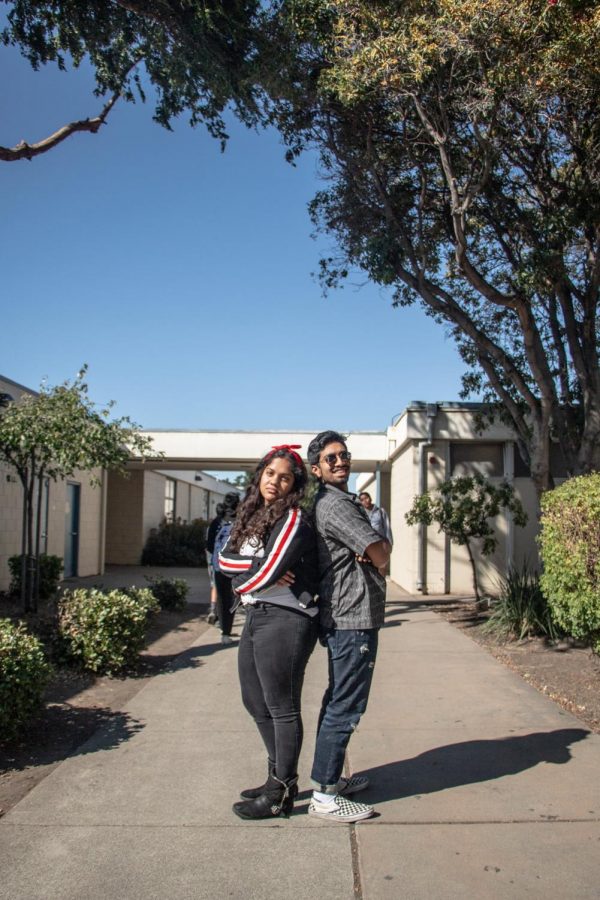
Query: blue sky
{"points": [[182, 276]]}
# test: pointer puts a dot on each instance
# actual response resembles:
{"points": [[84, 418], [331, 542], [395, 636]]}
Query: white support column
{"points": [[378, 484]]}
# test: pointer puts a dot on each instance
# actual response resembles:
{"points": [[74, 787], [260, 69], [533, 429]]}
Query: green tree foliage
{"points": [[462, 508], [53, 435], [24, 673], [194, 58], [310, 494], [570, 549], [460, 146]]}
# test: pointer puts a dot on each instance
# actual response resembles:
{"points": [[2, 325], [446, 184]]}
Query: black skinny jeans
{"points": [[225, 600], [274, 649]]}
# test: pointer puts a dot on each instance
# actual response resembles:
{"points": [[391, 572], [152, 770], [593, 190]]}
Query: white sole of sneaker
{"points": [[341, 819]]}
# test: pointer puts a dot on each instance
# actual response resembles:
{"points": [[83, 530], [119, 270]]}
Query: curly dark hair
{"points": [[254, 519]]}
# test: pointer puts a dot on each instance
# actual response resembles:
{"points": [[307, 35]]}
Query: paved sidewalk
{"points": [[127, 576], [484, 789]]}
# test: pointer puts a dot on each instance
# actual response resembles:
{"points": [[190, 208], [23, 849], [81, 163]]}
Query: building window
{"points": [[476, 458], [170, 496]]}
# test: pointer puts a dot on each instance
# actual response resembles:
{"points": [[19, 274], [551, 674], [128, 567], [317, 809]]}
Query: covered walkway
{"points": [[235, 450]]}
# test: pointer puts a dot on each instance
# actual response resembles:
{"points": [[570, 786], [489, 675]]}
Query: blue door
{"points": [[72, 529]]}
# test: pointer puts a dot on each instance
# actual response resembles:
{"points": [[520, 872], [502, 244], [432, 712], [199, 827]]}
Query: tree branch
{"points": [[458, 209], [23, 150]]}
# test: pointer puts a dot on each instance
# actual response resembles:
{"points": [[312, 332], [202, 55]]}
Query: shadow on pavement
{"points": [[66, 732], [194, 656], [469, 762]]}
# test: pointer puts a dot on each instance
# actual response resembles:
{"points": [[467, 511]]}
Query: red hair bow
{"points": [[291, 448]]}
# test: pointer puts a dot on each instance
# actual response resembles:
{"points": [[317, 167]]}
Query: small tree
{"points": [[52, 435], [462, 509]]}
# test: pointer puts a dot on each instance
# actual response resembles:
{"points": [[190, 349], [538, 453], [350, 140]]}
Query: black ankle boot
{"points": [[276, 800], [253, 793]]}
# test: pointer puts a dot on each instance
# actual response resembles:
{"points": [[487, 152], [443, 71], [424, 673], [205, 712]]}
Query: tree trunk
{"points": [[473, 569], [24, 481], [29, 551], [38, 524]]}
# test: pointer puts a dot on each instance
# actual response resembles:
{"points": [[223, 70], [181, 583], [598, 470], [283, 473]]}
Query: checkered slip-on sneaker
{"points": [[352, 785], [340, 810]]}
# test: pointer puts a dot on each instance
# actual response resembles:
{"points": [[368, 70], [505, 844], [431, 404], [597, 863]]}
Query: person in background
{"points": [[351, 611], [271, 556], [378, 517], [225, 598], [211, 533]]}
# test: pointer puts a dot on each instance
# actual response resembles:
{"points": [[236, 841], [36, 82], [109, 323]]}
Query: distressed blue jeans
{"points": [[351, 654]]}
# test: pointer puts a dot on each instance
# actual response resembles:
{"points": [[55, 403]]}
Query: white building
{"points": [[89, 525], [427, 443]]}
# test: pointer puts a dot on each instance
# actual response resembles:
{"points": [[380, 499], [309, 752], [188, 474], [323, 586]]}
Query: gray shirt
{"points": [[380, 522], [351, 594]]}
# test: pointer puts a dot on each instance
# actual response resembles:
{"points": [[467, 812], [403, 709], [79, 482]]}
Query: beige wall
{"points": [[136, 505], [447, 566], [11, 506], [90, 522], [199, 504], [404, 486], [125, 501], [154, 504], [192, 501], [91, 526]]}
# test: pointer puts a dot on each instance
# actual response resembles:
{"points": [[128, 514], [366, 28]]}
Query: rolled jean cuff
{"points": [[324, 788]]}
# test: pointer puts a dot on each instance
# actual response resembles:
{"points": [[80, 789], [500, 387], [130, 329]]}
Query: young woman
{"points": [[271, 557]]}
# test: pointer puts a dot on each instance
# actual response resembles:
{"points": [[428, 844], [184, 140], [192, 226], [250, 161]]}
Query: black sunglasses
{"points": [[344, 456]]}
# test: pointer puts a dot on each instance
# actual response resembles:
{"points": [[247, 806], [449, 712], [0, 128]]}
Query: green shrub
{"points": [[521, 609], [104, 632], [176, 544], [24, 673], [50, 572], [170, 592], [570, 549]]}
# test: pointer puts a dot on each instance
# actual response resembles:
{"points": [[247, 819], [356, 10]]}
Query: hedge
{"points": [[570, 550]]}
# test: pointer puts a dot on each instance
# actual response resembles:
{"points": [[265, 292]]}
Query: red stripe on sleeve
{"points": [[278, 550]]}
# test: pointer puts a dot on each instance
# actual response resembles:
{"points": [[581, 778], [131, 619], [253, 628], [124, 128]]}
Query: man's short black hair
{"points": [[319, 442], [364, 494]]}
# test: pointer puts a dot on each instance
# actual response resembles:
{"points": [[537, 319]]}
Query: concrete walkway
{"points": [[483, 787], [128, 576]]}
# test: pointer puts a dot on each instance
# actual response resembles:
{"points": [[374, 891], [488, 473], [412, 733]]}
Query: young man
{"points": [[351, 604], [378, 517]]}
